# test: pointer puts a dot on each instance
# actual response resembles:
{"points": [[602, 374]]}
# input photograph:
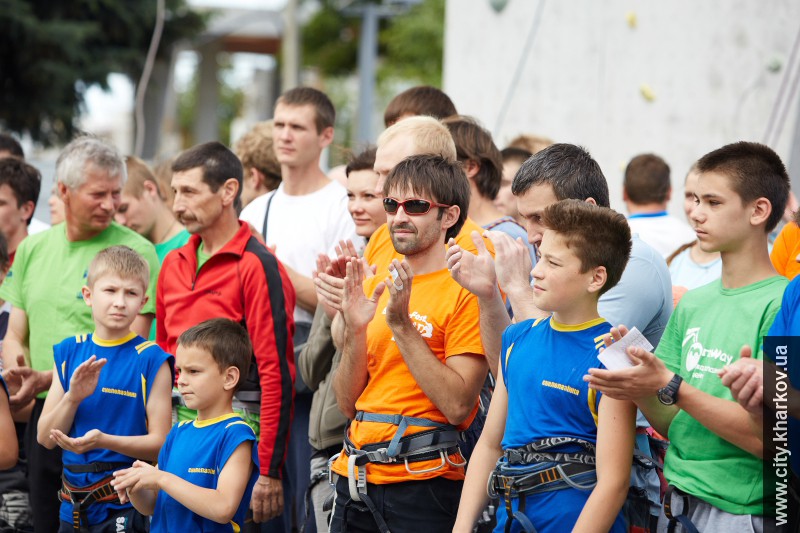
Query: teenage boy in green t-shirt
{"points": [[714, 464]]}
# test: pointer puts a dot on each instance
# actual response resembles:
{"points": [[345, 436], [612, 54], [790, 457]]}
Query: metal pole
{"points": [[290, 47], [367, 54]]}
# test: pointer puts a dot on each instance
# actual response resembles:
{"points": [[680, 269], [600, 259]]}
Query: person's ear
{"points": [[471, 168], [591, 200], [62, 192], [257, 179], [151, 189], [450, 216], [598, 277], [231, 378], [87, 295], [326, 137], [27, 209], [761, 209], [229, 191]]}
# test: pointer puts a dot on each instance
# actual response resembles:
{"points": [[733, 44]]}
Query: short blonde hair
{"points": [[121, 261], [431, 137], [530, 142], [255, 150], [138, 173]]}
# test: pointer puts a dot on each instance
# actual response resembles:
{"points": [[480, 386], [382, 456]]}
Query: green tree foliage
{"points": [[411, 44], [51, 52], [330, 41], [414, 45]]}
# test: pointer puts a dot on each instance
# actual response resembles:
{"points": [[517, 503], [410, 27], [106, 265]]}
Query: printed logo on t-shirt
{"points": [[698, 355], [424, 327], [199, 470]]}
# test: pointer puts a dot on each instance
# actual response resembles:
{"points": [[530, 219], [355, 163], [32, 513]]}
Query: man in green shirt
{"points": [[714, 463], [44, 288]]}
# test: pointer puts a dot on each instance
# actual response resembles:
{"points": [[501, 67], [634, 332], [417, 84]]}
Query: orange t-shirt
{"points": [[380, 250], [447, 317], [785, 250]]}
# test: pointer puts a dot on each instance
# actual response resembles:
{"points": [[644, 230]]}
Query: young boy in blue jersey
{"points": [[207, 467], [564, 452], [110, 400], [714, 463]]}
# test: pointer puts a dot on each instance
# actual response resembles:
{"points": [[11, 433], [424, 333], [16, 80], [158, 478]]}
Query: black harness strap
{"points": [[517, 485], [83, 497], [95, 468], [681, 518]]}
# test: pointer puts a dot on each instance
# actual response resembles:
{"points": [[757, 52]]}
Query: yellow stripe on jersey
{"points": [[508, 353], [235, 526], [238, 422], [591, 398], [144, 390], [64, 370], [558, 326], [143, 346], [598, 341]]}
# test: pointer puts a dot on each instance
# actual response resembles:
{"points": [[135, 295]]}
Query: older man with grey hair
{"points": [[44, 288]]}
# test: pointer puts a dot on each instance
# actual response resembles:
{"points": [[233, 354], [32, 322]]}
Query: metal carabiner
{"points": [[426, 470]]}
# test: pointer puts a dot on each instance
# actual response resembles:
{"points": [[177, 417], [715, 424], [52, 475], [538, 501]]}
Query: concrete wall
{"points": [[713, 70]]}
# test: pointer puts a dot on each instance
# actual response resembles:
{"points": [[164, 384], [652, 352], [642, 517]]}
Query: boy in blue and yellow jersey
{"points": [[556, 453], [110, 402], [208, 467]]}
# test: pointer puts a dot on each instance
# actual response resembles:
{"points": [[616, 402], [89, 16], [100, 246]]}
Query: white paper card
{"points": [[615, 357]]}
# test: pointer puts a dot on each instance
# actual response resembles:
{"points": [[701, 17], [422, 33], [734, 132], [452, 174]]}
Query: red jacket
{"points": [[246, 283]]}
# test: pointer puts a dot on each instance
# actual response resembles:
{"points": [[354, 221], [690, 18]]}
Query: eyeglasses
{"points": [[414, 206]]}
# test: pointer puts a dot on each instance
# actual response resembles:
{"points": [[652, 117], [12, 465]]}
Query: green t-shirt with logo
{"points": [[46, 279], [704, 334]]}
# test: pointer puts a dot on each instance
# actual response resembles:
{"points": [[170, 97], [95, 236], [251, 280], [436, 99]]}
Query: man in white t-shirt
{"points": [[305, 216], [646, 192]]}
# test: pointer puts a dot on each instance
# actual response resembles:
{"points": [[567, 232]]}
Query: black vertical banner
{"points": [[781, 433]]}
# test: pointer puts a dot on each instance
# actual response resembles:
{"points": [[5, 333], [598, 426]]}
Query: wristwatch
{"points": [[669, 395]]}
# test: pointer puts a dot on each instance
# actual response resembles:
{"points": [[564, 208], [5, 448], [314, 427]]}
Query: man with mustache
{"points": [[223, 271]]}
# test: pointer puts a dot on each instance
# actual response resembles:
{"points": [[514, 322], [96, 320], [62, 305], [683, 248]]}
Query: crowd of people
{"points": [[239, 341]]}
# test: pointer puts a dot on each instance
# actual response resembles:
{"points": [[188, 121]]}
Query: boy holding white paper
{"points": [[714, 464], [557, 454]]}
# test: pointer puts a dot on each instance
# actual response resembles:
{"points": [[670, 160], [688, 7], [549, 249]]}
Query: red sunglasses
{"points": [[414, 206]]}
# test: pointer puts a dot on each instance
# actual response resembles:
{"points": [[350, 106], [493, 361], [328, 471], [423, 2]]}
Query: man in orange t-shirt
{"points": [[412, 363]]}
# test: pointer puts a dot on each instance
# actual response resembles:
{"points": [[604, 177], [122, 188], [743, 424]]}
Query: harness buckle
{"points": [[442, 456], [330, 470], [353, 478], [454, 464], [490, 490], [381, 455]]}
